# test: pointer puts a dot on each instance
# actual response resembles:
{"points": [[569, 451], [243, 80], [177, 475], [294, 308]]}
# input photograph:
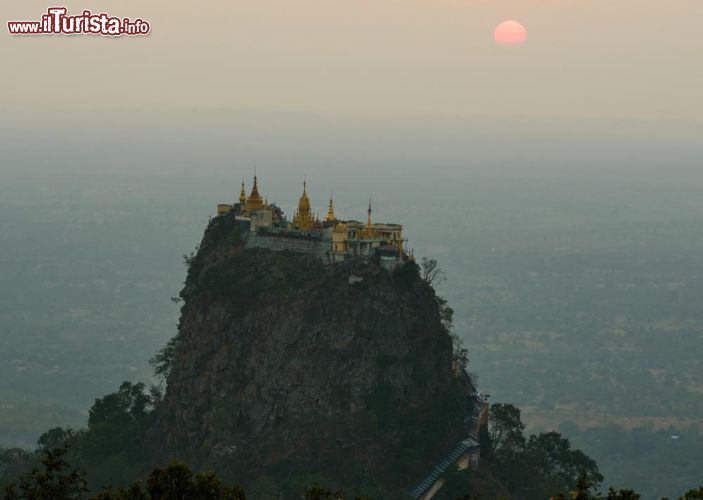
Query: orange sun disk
{"points": [[510, 33]]}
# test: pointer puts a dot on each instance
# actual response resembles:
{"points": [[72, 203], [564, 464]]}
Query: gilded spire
{"points": [[304, 201], [255, 201], [330, 211], [242, 196], [303, 218], [369, 231]]}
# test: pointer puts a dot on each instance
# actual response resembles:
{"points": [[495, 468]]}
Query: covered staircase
{"points": [[472, 425]]}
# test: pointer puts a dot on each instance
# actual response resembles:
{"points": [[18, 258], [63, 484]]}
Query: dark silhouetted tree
{"points": [[53, 479], [56, 438], [175, 482], [614, 494], [130, 402], [693, 494], [506, 430], [431, 272]]}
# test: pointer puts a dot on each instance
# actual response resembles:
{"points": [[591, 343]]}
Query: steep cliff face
{"points": [[285, 367]]}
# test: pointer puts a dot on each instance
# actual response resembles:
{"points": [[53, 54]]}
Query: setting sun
{"points": [[510, 33]]}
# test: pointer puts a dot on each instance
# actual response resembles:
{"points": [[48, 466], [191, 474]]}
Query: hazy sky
{"points": [[613, 59]]}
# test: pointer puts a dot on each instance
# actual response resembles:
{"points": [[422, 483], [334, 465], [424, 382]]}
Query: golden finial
{"points": [[330, 211], [242, 195]]}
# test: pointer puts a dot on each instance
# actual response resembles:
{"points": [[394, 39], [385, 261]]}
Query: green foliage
{"points": [[558, 466], [446, 313], [52, 479], [13, 463], [320, 493], [189, 259], [162, 361], [506, 432], [456, 484], [696, 494], [111, 450], [461, 355], [130, 403], [117, 423], [175, 482], [584, 490], [539, 466], [622, 494], [407, 273], [264, 488], [56, 438]]}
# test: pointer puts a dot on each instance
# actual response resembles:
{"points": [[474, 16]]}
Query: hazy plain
{"points": [[573, 251]]}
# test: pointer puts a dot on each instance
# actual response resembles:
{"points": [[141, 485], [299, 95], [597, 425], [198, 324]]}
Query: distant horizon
{"points": [[597, 58]]}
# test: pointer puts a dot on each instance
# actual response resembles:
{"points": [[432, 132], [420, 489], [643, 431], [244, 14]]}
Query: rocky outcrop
{"points": [[285, 367]]}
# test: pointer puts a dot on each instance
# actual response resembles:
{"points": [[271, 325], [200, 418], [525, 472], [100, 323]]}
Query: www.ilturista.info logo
{"points": [[56, 21]]}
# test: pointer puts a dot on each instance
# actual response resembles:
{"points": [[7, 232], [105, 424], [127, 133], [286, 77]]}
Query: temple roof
{"points": [[255, 201]]}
